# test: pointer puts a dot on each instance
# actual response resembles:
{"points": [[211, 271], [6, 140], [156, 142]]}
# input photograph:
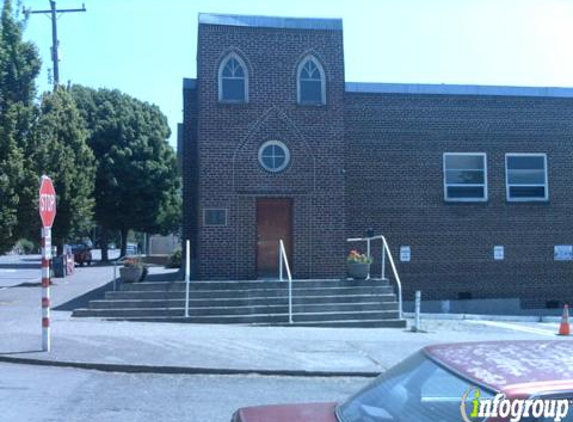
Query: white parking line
{"points": [[515, 327]]}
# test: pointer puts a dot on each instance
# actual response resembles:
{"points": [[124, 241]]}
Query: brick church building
{"points": [[471, 185]]}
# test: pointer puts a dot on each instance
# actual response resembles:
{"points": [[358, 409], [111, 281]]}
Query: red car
{"points": [[528, 381], [82, 254]]}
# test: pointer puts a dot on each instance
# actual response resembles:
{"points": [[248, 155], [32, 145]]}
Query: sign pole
{"points": [[46, 255], [187, 276], [47, 208]]}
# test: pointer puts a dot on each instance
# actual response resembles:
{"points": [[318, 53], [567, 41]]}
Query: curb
{"points": [[185, 370], [477, 317]]}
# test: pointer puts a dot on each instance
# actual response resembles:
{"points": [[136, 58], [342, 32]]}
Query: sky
{"points": [[146, 47]]}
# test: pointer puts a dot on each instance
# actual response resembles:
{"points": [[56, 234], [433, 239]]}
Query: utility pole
{"points": [[55, 43]]}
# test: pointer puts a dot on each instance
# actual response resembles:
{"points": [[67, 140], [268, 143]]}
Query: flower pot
{"points": [[131, 274], [357, 271]]}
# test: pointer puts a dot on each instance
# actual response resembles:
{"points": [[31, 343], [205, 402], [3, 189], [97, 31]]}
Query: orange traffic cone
{"points": [[564, 329]]}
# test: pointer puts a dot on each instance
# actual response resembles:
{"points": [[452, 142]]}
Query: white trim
{"points": [[222, 65], [448, 89], [546, 176], [484, 184], [205, 209], [322, 80], [283, 147]]}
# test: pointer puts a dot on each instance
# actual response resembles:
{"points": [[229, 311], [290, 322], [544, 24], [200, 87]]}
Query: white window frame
{"points": [[322, 81], [220, 79], [279, 144], [546, 174], [446, 185], [215, 209]]}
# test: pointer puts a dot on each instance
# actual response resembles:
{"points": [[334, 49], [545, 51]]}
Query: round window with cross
{"points": [[274, 156]]}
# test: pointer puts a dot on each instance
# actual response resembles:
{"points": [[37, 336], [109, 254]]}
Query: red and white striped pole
{"points": [[47, 208], [46, 256]]}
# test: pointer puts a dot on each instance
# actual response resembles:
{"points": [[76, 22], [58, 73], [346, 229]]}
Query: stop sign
{"points": [[47, 202]]}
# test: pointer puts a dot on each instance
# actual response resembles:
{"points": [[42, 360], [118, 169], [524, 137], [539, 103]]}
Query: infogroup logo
{"points": [[515, 410]]}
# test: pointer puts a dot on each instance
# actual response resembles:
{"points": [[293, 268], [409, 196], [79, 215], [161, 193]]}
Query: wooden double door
{"points": [[274, 222]]}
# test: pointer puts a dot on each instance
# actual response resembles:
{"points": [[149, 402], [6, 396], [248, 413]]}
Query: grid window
{"points": [[311, 83], [274, 156], [232, 81], [215, 217], [465, 177], [526, 177]]}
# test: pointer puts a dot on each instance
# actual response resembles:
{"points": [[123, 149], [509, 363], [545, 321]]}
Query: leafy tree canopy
{"points": [[137, 184]]}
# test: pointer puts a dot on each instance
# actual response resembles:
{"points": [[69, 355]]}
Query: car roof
{"points": [[516, 367]]}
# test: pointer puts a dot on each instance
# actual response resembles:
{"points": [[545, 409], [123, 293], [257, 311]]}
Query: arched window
{"points": [[311, 87], [233, 80]]}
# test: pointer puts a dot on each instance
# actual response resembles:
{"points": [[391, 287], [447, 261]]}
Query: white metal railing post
{"points": [[396, 276], [187, 276], [383, 263], [368, 255], [284, 260], [115, 275], [280, 260], [417, 306]]}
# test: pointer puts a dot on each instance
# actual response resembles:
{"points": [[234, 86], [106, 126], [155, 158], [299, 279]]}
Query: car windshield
{"points": [[415, 390]]}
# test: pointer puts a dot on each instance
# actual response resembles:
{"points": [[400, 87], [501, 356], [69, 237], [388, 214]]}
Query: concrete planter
{"points": [[357, 271], [131, 274]]}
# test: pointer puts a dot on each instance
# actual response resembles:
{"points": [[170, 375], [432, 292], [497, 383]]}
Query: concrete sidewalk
{"points": [[190, 348]]}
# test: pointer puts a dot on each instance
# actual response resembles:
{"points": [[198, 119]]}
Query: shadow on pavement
{"points": [[21, 265], [21, 352], [83, 300]]}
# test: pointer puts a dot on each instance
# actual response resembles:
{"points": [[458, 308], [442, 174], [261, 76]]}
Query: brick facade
{"points": [[370, 160]]}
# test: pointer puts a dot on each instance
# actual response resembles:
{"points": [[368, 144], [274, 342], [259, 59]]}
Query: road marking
{"points": [[515, 327]]}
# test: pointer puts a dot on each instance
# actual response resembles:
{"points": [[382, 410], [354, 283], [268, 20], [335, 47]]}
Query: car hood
{"points": [[307, 412]]}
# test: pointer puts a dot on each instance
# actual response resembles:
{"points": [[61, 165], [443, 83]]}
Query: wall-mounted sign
{"points": [[563, 252], [405, 254], [498, 253]]}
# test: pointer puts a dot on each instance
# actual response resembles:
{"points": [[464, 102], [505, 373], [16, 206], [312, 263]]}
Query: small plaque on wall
{"points": [[563, 252], [498, 253], [405, 254]]}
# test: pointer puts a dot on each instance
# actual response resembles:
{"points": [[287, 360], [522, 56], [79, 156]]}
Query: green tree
{"points": [[19, 67], [59, 149], [137, 183]]}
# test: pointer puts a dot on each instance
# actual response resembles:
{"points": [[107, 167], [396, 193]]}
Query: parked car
{"points": [[443, 383], [82, 253]]}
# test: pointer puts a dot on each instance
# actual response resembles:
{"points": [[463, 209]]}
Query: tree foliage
{"points": [[137, 184], [59, 149], [19, 67]]}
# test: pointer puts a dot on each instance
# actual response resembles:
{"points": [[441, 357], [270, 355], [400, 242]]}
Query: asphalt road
{"points": [[19, 269], [30, 393], [16, 269]]}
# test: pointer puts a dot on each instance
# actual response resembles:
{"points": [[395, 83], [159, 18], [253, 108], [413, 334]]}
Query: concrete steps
{"points": [[328, 303]]}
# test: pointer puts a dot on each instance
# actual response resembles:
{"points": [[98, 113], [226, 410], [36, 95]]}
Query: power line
{"points": [[55, 43]]}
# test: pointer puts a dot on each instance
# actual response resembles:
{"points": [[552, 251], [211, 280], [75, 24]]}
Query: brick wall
{"points": [[229, 136], [394, 183]]}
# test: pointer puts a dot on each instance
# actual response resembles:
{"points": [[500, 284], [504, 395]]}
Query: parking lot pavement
{"points": [[15, 269]]}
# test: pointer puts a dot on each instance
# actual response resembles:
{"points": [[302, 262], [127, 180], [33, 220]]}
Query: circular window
{"points": [[274, 156]]}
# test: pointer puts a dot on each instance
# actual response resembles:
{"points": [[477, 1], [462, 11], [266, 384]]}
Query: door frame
{"points": [[290, 246]]}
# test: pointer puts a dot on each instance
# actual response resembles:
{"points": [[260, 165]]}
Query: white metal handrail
{"points": [[283, 261], [385, 250]]}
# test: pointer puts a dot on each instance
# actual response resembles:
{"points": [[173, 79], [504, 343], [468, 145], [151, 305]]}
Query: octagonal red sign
{"points": [[47, 202]]}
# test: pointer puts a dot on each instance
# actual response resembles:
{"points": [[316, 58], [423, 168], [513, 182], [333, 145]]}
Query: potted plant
{"points": [[133, 270], [358, 265]]}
